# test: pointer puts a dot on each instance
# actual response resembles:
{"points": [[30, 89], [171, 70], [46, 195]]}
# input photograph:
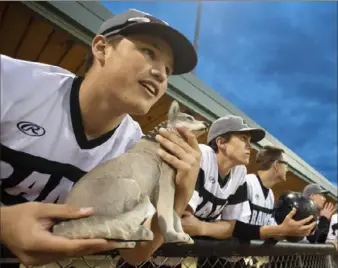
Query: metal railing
{"points": [[215, 254]]}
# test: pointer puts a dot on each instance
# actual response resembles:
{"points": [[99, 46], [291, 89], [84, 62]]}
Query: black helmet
{"points": [[305, 208]]}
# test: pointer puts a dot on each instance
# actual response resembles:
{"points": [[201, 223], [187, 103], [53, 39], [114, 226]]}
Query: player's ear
{"points": [[220, 142], [275, 165], [99, 46]]}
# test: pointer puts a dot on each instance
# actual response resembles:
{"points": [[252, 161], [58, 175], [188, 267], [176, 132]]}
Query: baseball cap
{"points": [[235, 124], [313, 188], [134, 21]]}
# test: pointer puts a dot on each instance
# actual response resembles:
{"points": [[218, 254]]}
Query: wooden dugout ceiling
{"points": [[26, 35]]}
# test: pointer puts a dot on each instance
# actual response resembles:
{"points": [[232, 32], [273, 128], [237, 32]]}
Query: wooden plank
{"points": [[158, 109], [159, 113], [74, 57], [81, 70], [14, 25], [3, 6], [292, 183], [3, 9], [154, 123], [203, 139], [56, 47], [36, 38], [153, 114]]}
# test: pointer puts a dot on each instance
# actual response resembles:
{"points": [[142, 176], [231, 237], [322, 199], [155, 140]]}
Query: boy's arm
{"points": [[244, 231], [322, 231]]}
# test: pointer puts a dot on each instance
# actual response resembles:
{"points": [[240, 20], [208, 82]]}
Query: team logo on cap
{"points": [[139, 19]]}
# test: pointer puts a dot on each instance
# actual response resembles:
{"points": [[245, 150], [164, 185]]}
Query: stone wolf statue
{"points": [[122, 190]]}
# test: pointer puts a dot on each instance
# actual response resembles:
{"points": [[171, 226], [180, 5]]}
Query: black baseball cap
{"points": [[137, 22]]}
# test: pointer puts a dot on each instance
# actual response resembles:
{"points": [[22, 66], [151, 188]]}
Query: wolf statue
{"points": [[122, 190]]}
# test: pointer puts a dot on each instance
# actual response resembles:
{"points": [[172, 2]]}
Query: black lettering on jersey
{"points": [[334, 228], [240, 196], [209, 211], [211, 206], [260, 215], [34, 178]]}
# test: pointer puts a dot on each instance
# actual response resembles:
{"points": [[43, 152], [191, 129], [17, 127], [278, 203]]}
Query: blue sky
{"points": [[275, 61]]}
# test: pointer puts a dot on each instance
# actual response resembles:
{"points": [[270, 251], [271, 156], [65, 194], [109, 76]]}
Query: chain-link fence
{"points": [[215, 254]]}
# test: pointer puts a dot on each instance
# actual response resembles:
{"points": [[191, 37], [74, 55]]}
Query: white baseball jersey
{"points": [[261, 201], [44, 149], [333, 232], [215, 198]]}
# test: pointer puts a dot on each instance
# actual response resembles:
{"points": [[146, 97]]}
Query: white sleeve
{"points": [[272, 221], [136, 136], [9, 70], [195, 199], [238, 207], [240, 212], [20, 80], [333, 231]]}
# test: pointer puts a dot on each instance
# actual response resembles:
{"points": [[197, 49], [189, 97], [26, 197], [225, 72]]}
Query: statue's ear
{"points": [[174, 110]]}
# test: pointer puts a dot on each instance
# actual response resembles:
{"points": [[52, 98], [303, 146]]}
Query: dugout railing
{"points": [[214, 254]]}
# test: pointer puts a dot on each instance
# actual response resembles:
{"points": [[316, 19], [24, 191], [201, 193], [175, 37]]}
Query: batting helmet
{"points": [[305, 208]]}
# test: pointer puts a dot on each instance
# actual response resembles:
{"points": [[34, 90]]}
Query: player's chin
{"points": [[140, 107], [244, 161]]}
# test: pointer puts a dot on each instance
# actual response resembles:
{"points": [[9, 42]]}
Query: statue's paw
{"points": [[180, 238]]}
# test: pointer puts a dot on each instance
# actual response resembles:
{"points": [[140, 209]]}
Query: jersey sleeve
{"points": [[135, 135], [10, 68], [20, 80], [333, 231], [195, 199], [238, 207], [272, 221]]}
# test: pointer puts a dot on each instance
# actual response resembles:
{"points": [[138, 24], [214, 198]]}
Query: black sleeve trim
{"points": [[321, 232], [245, 231], [324, 223], [200, 181]]}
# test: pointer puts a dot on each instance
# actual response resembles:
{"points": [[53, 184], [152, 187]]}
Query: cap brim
{"points": [[256, 134], [324, 192], [185, 57]]}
